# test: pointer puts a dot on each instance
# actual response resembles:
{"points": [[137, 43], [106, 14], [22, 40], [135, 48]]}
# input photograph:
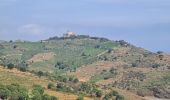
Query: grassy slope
{"points": [[68, 51], [27, 80]]}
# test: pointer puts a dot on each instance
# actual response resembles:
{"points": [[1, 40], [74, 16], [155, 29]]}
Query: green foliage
{"points": [[119, 97], [13, 92], [85, 87], [113, 94], [51, 86], [23, 69], [76, 80], [113, 71], [4, 92], [99, 93], [40, 73], [80, 98], [10, 66], [37, 89]]}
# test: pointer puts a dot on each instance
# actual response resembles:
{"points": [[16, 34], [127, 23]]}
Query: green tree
{"points": [[51, 86], [10, 66], [4, 92], [46, 97], [80, 98], [54, 98], [99, 93], [76, 80], [119, 97], [40, 73]]}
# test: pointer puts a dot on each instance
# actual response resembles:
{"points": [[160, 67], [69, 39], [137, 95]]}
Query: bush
{"points": [[40, 73], [46, 97], [76, 80], [13, 92], [23, 69], [51, 86], [10, 66], [155, 66], [80, 98], [85, 87], [134, 64], [54, 98], [4, 92], [38, 88], [99, 93], [119, 97], [113, 71]]}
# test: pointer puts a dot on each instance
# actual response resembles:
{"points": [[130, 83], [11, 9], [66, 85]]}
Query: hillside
{"points": [[28, 80], [101, 63]]}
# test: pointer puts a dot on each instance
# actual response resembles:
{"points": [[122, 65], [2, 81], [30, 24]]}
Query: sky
{"points": [[144, 23]]}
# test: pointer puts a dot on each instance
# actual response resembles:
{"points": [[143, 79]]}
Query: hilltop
{"points": [[101, 63]]}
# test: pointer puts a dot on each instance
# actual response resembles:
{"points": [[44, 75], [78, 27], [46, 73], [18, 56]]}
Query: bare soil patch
{"points": [[42, 57]]}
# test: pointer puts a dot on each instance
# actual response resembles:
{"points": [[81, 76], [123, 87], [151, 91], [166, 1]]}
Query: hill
{"points": [[99, 62], [28, 80]]}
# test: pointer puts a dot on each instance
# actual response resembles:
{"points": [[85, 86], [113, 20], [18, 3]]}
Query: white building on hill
{"points": [[69, 34]]}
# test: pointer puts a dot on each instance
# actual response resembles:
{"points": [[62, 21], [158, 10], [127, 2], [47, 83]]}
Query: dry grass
{"points": [[129, 96], [42, 57], [27, 80], [84, 73]]}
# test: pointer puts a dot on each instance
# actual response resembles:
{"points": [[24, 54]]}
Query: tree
{"points": [[40, 73], [109, 50], [76, 80], [15, 46], [113, 71], [54, 98], [119, 97], [46, 97], [80, 98], [23, 69], [51, 86], [10, 66], [4, 92], [99, 93]]}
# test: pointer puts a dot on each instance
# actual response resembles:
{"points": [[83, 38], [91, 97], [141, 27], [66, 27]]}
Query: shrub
{"points": [[85, 87], [23, 69], [134, 64], [109, 50], [54, 98], [80, 98], [99, 93], [76, 80], [51, 86], [46, 97], [15, 46], [119, 97], [10, 66], [71, 79], [155, 66], [113, 71], [4, 92], [38, 88], [40, 73]]}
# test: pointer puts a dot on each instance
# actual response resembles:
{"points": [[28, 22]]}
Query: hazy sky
{"points": [[145, 23]]}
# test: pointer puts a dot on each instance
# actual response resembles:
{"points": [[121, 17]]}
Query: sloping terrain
{"points": [[28, 80], [96, 61]]}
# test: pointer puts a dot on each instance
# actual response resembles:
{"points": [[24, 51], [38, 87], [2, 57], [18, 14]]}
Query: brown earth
{"points": [[84, 73], [42, 57]]}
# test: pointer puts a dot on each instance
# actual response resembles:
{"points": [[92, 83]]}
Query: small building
{"points": [[69, 34]]}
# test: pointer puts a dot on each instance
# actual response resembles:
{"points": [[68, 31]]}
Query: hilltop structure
{"points": [[69, 34]]}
